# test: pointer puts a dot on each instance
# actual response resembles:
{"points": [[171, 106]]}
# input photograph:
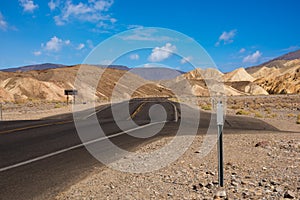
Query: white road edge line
{"points": [[75, 147], [175, 112], [96, 111]]}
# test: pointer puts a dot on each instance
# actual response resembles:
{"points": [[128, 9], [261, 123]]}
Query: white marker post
{"points": [[220, 123]]}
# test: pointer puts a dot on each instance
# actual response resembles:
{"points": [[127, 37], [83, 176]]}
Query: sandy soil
{"points": [[258, 165], [270, 108], [39, 110], [281, 111]]}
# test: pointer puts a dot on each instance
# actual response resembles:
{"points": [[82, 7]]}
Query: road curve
{"points": [[23, 141]]}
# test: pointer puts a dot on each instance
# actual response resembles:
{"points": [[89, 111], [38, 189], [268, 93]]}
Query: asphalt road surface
{"points": [[40, 158]]}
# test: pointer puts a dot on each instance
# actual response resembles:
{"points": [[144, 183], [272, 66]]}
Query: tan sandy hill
{"points": [[239, 74], [266, 72], [209, 73], [279, 79], [193, 82], [238, 82], [286, 82], [243, 82], [247, 87], [280, 75], [272, 69], [50, 84], [277, 64]]}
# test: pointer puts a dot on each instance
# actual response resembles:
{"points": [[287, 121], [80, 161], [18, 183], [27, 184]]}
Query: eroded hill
{"points": [[49, 85]]}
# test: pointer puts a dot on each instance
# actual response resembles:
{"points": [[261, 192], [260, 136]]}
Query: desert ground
{"points": [[258, 164], [39, 109]]}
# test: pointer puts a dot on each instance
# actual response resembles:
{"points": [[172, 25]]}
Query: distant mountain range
{"points": [[156, 73], [52, 66], [33, 67], [146, 73], [289, 56], [276, 62]]}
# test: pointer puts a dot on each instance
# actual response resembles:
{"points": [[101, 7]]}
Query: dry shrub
{"points": [[298, 119], [258, 115], [242, 112]]}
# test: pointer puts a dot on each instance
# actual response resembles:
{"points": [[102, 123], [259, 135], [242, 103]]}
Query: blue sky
{"points": [[234, 33]]}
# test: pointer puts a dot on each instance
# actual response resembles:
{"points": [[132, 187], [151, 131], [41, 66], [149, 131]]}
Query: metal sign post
{"points": [[1, 111], [220, 123]]}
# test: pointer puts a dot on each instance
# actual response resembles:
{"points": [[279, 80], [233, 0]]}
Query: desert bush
{"points": [[290, 115], [268, 110], [19, 101], [57, 105], [235, 107], [258, 115], [273, 115], [242, 112], [206, 107], [254, 106], [174, 99], [55, 101], [298, 119]]}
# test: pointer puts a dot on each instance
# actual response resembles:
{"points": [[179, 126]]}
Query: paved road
{"points": [[40, 158]]}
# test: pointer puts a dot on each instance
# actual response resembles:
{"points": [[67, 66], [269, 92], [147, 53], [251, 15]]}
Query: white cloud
{"points": [[113, 20], [53, 4], [93, 11], [149, 65], [186, 59], [67, 42], [134, 56], [37, 53], [133, 26], [242, 50], [253, 58], [80, 46], [291, 48], [106, 62], [3, 23], [58, 21], [146, 35], [226, 37], [28, 5], [55, 44], [90, 44], [162, 53]]}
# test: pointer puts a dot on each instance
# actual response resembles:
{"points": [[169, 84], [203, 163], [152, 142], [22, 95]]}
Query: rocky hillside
{"points": [[280, 81], [280, 75], [237, 82], [239, 74], [49, 85]]}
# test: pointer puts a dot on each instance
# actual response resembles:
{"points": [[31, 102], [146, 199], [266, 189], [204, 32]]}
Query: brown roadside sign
{"points": [[71, 92]]}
